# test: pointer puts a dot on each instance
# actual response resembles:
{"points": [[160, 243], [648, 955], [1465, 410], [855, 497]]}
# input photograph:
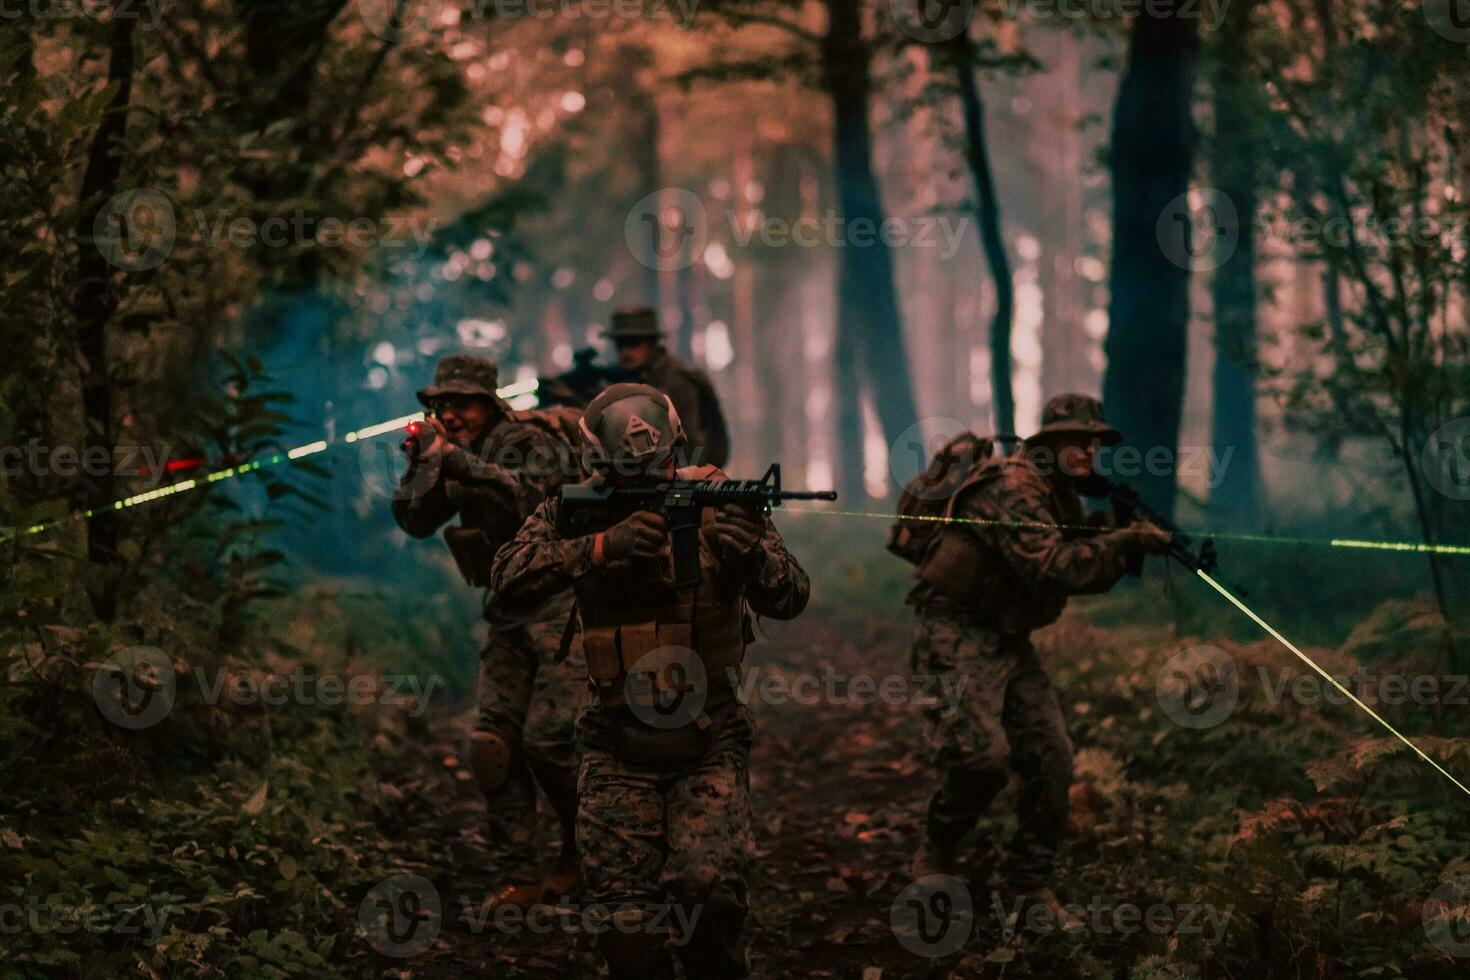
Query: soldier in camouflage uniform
{"points": [[641, 353], [664, 794], [983, 588], [492, 465]]}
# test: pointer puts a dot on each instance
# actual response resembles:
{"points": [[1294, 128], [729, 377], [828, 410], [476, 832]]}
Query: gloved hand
{"points": [[1147, 538], [640, 535], [738, 531]]}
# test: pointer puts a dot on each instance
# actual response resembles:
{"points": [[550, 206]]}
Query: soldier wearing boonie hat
{"points": [[492, 465], [1004, 569], [641, 352]]}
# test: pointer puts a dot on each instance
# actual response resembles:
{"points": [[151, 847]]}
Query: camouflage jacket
{"points": [[492, 485], [693, 395], [539, 562], [1027, 564]]}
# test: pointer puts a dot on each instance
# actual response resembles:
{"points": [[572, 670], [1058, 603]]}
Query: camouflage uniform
{"points": [[646, 829], [691, 390], [983, 589], [525, 698]]}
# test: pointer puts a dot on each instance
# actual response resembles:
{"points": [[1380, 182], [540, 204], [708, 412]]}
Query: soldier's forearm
{"points": [[531, 572]]}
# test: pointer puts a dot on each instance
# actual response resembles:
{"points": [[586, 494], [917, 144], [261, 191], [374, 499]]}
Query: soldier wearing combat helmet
{"points": [[642, 354], [984, 585], [479, 458], [664, 794]]}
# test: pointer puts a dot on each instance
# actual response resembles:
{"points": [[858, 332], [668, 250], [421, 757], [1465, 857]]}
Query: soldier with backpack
{"points": [[491, 465], [1010, 544], [643, 357]]}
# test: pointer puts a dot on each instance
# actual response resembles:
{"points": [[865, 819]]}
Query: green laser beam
{"points": [[1271, 630], [1414, 546], [516, 390], [1276, 635], [530, 386]]}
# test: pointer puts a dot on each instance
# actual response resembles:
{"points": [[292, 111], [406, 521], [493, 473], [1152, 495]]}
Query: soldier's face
{"points": [[633, 354], [464, 416], [1076, 455]]}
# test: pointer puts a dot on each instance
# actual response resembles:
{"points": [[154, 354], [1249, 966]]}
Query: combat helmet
{"points": [[630, 428]]}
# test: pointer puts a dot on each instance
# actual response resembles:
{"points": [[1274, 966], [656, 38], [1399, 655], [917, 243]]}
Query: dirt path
{"points": [[837, 791]]}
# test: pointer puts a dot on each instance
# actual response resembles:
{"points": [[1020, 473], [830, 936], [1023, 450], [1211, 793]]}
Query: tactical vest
{"points": [[624, 622]]}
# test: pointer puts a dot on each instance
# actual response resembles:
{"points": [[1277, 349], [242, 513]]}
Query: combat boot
{"points": [[634, 953], [560, 787], [565, 877], [521, 896]]}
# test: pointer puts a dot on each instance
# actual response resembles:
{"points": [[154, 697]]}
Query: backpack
{"points": [[561, 422], [926, 499]]}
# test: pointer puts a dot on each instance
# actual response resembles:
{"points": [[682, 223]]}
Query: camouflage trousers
{"points": [[681, 835], [1005, 718], [532, 702]]}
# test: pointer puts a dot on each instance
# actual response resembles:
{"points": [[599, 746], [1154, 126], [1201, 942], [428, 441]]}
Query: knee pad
{"points": [[491, 758]]}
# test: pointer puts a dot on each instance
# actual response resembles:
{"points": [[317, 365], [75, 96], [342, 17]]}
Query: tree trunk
{"points": [[869, 334], [93, 304], [987, 212], [1152, 154], [1235, 495]]}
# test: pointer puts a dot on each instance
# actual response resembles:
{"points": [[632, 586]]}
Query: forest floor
{"points": [[837, 792], [1218, 831]]}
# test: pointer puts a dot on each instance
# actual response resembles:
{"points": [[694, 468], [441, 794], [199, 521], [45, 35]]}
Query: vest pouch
{"points": [[643, 745], [954, 567], [600, 645], [472, 554]]}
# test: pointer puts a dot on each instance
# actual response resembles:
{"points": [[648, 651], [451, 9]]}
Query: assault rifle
{"points": [[588, 508], [581, 384], [1130, 507]]}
